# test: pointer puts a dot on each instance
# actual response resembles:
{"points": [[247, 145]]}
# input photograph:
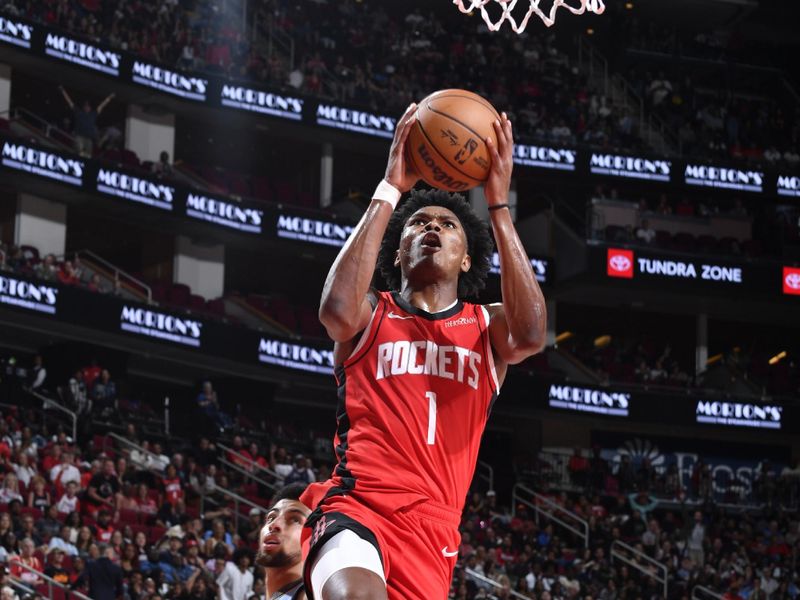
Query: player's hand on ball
{"points": [[398, 172], [499, 181]]}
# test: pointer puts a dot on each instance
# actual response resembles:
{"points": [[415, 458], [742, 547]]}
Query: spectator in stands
{"points": [[38, 374], [664, 207], [27, 529], [96, 285], [104, 392], [27, 559], [9, 491], [103, 577], [301, 472], [236, 580], [104, 529], [280, 463], [645, 233], [77, 395], [104, 488], [65, 472], [696, 539], [47, 269], [61, 542], [578, 468], [208, 403], [162, 167], [56, 569], [39, 496], [68, 274], [217, 535], [23, 469], [85, 122]]}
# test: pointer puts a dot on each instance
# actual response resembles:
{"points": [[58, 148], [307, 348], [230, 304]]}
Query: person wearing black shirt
{"points": [[85, 122], [104, 578], [104, 487]]}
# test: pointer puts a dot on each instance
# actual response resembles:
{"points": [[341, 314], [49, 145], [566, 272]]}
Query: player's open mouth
{"points": [[431, 240], [271, 542]]}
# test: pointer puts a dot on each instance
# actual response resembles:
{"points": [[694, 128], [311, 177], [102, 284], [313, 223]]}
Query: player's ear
{"points": [[466, 264], [397, 257]]}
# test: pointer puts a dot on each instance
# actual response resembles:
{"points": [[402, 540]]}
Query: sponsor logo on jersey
{"points": [[539, 265], [620, 263], [171, 82], [579, 399], [83, 54], [789, 186], [424, 357], [224, 213], [791, 281], [394, 315], [760, 416], [163, 326], [43, 162], [15, 32], [295, 356], [630, 166], [135, 188], [312, 230], [459, 321], [560, 159], [724, 178], [267, 103], [33, 296]]}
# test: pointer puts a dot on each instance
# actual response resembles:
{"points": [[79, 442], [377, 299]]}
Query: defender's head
{"points": [[279, 541]]}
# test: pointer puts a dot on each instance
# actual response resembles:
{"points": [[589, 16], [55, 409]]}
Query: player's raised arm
{"points": [[518, 327], [345, 307]]}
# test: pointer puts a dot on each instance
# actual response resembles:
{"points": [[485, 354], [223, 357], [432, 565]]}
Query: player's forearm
{"points": [[523, 301], [350, 276]]}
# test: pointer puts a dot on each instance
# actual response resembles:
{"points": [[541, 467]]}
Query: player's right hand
{"points": [[398, 172]]}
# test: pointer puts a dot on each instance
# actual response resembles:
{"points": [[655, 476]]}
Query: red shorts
{"points": [[418, 545]]}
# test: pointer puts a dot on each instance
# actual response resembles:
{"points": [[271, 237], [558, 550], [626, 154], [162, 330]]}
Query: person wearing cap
{"points": [[249, 529], [279, 544], [56, 568]]}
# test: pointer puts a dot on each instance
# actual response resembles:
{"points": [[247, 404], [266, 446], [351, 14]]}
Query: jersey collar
{"points": [[409, 308]]}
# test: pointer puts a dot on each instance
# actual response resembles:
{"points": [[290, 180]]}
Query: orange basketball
{"points": [[446, 143]]}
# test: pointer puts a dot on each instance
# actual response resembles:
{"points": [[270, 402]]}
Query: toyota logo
{"points": [[619, 263], [793, 281]]}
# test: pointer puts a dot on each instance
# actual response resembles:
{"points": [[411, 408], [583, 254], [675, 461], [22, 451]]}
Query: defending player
{"points": [[279, 545], [418, 370]]}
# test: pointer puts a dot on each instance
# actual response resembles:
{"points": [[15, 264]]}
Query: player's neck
{"points": [[277, 579], [432, 298]]}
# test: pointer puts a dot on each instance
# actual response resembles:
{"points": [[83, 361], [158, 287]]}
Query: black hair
{"points": [[479, 242], [293, 491]]}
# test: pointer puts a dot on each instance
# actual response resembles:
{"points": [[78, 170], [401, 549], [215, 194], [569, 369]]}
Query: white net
{"points": [[507, 8]]}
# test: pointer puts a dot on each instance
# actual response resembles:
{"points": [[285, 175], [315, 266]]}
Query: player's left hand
{"points": [[502, 154]]}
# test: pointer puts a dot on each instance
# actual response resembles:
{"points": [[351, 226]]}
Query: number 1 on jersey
{"points": [[431, 396]]}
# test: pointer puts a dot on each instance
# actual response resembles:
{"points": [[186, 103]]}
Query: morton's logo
{"points": [[359, 121], [135, 188], [561, 159], [169, 81], [81, 53], [620, 263], [42, 162], [224, 213], [589, 400], [160, 325], [312, 230], [760, 416], [788, 185], [14, 32], [791, 281], [630, 166], [266, 103], [33, 296], [725, 178], [295, 356]]}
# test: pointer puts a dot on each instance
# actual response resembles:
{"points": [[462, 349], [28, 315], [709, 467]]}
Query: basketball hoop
{"points": [[507, 7]]}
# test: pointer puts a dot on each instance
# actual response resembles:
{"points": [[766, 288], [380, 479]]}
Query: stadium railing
{"points": [[103, 267], [485, 473], [544, 506], [237, 501], [633, 558], [700, 592], [128, 447], [51, 584], [250, 470], [478, 578]]}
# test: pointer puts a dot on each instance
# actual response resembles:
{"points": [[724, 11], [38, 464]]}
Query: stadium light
{"points": [[777, 358]]}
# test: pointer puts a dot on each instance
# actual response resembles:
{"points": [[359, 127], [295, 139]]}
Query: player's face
{"points": [[433, 237], [279, 542]]}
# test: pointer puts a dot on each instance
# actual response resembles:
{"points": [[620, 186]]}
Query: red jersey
{"points": [[415, 396]]}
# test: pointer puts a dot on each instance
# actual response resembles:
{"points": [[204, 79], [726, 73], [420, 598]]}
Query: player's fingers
{"points": [[492, 149], [501, 139], [402, 122], [406, 130]]}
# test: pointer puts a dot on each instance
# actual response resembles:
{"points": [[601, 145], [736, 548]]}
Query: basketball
{"points": [[446, 143]]}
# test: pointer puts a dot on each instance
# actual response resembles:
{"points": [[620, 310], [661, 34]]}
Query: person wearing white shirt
{"points": [[65, 472], [25, 472], [61, 542], [236, 580]]}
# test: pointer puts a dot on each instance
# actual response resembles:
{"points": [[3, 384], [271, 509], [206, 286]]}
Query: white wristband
{"points": [[388, 193]]}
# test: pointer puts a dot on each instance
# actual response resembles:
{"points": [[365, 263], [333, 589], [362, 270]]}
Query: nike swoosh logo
{"points": [[449, 554], [396, 316]]}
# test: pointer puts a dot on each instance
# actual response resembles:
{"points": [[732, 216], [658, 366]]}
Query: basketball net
{"points": [[507, 6]]}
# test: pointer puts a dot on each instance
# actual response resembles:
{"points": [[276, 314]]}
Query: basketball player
{"points": [[279, 545], [418, 369]]}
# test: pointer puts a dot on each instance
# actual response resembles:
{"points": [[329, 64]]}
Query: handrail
{"points": [[241, 470], [117, 272], [50, 131], [707, 593], [236, 499], [516, 499], [493, 583], [50, 581], [126, 442], [250, 462], [487, 475], [48, 403], [661, 567]]}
